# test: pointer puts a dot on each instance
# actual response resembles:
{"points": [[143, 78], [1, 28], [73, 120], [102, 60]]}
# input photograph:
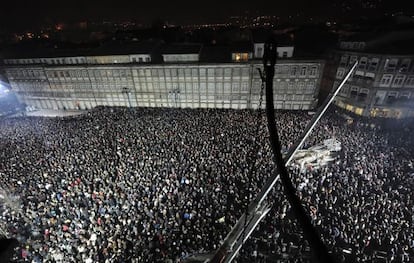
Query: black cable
{"points": [[320, 252]]}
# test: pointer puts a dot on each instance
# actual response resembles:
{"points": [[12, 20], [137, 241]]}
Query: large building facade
{"points": [[382, 85], [84, 83]]}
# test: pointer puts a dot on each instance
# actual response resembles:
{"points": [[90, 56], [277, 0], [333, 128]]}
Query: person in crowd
{"points": [[159, 185]]}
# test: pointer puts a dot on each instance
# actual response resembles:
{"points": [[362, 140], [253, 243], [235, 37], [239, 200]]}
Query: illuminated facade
{"points": [[381, 86], [121, 81]]}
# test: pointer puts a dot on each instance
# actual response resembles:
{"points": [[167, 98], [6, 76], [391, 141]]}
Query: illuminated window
{"points": [[241, 57]]}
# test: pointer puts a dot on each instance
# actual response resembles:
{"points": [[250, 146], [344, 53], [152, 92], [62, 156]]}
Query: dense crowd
{"points": [[362, 204], [9, 104], [158, 185]]}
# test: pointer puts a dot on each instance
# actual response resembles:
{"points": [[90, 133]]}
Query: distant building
{"points": [[183, 80], [181, 53], [383, 83]]}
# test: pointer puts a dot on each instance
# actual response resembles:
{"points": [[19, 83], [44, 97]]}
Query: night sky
{"points": [[21, 14]]}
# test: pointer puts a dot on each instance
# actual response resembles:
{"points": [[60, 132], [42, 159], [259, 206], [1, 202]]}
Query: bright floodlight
{"points": [[3, 88]]}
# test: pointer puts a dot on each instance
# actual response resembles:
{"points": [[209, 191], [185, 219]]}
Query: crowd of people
{"points": [[159, 185], [9, 104], [362, 203]]}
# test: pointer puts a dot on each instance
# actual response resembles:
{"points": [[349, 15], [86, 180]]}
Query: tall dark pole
{"points": [[258, 208], [319, 251], [129, 100]]}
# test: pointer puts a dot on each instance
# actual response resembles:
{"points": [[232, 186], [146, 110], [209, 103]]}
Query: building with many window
{"points": [[382, 85], [183, 81]]}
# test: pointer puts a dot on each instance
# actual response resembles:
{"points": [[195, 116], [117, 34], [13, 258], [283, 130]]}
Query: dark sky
{"points": [[21, 14]]}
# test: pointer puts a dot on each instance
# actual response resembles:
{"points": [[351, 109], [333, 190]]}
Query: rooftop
{"points": [[210, 53], [126, 47], [34, 50]]}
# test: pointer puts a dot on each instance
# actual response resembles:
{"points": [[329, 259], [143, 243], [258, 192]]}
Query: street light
{"points": [[127, 92], [174, 95]]}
